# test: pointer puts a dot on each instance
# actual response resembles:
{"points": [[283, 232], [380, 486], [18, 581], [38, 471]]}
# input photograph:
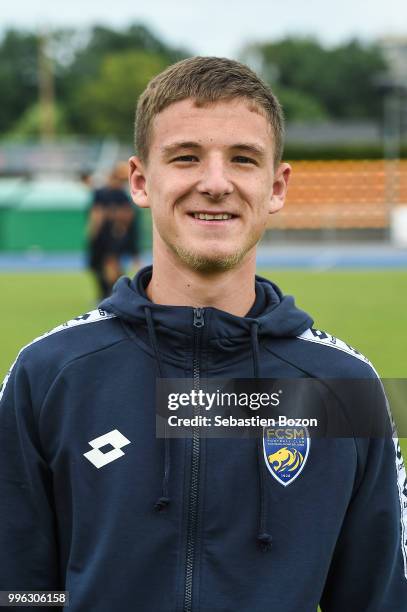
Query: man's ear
{"points": [[280, 186], [137, 181]]}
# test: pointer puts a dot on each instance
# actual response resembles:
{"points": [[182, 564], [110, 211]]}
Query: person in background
{"points": [[111, 231]]}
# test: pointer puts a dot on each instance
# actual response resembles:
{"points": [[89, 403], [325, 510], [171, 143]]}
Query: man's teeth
{"points": [[206, 217]]}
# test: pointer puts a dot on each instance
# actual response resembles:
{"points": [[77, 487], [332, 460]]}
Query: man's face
{"points": [[209, 181]]}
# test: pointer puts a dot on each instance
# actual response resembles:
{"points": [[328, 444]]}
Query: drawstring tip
{"points": [[265, 540], [162, 503]]}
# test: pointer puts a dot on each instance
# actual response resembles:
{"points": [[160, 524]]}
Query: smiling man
{"points": [[207, 154], [219, 178], [95, 504]]}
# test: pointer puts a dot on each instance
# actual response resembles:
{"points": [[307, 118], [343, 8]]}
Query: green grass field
{"points": [[367, 309]]}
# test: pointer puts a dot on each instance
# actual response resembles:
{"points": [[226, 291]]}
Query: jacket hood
{"points": [[276, 314]]}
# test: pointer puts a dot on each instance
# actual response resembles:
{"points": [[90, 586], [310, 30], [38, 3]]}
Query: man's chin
{"points": [[210, 262]]}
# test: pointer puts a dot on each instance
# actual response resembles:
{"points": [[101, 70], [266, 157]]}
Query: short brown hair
{"points": [[206, 79]]}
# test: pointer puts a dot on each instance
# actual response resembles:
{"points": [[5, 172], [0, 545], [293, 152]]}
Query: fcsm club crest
{"points": [[286, 452]]}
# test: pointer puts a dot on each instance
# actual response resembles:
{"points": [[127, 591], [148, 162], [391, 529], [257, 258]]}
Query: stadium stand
{"points": [[342, 194]]}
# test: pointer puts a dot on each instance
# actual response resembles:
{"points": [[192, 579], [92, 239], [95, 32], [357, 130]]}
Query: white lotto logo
{"points": [[113, 438]]}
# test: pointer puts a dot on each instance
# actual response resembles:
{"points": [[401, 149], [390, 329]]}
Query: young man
{"points": [[94, 503]]}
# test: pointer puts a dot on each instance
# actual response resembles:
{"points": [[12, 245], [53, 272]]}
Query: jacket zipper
{"points": [[199, 322]]}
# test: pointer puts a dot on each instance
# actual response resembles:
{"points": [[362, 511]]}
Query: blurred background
{"points": [[69, 82]]}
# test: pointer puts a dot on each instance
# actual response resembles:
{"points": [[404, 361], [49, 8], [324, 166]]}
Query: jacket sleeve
{"points": [[28, 549], [368, 572]]}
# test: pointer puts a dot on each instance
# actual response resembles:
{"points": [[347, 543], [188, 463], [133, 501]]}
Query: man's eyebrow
{"points": [[250, 148], [175, 146]]}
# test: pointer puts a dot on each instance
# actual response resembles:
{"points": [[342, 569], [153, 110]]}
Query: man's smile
{"points": [[218, 218]]}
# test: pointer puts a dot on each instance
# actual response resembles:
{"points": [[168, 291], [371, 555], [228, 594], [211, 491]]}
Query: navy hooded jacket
{"points": [[82, 473]]}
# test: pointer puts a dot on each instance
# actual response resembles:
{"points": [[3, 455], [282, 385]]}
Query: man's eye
{"points": [[185, 158], [242, 159]]}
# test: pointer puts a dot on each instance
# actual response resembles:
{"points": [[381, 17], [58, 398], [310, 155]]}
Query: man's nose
{"points": [[214, 181]]}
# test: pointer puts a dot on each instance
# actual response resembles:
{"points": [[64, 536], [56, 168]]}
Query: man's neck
{"points": [[175, 284]]}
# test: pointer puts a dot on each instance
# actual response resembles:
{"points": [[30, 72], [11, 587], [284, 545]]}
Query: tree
{"points": [[300, 106], [29, 124], [340, 80], [107, 102], [18, 75], [88, 67], [77, 60]]}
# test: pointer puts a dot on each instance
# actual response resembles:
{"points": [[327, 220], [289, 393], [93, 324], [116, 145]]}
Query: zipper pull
{"points": [[199, 317]]}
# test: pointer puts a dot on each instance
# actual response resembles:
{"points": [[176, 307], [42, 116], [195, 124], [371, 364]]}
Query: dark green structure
{"points": [[50, 216]]}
